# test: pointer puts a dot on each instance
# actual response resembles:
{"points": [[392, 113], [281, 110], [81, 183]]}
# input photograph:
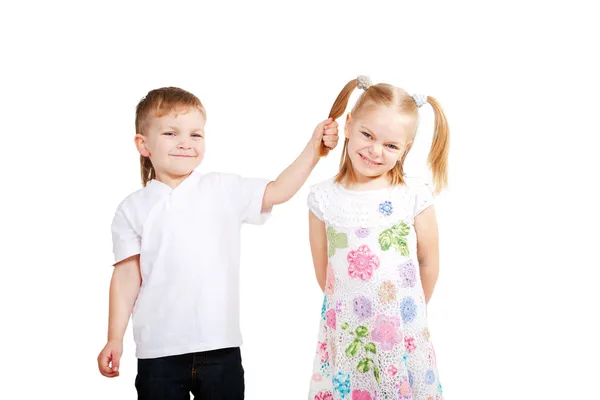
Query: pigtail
{"points": [[338, 109], [438, 155], [340, 104]]}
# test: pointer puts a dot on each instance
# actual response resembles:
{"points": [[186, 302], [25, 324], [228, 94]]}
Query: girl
{"points": [[374, 243], [176, 244]]}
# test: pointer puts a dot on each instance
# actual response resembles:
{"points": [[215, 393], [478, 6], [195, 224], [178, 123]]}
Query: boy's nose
{"points": [[184, 144]]}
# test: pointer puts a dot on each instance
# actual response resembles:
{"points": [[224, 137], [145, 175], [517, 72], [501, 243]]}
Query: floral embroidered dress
{"points": [[373, 340]]}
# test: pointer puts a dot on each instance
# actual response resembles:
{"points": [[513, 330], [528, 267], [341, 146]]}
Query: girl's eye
{"points": [[393, 147], [169, 133], [197, 135], [367, 135]]}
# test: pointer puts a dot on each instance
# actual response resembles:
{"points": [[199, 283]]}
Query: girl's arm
{"points": [[428, 250], [293, 177], [318, 247], [124, 288]]}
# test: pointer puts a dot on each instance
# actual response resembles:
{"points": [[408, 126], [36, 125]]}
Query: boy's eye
{"points": [[367, 135], [393, 147], [169, 133], [197, 135]]}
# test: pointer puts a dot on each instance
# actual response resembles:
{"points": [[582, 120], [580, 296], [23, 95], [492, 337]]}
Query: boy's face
{"points": [[174, 142]]}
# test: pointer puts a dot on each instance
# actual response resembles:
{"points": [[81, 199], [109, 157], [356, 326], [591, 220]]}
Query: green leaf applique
{"points": [[336, 240], [395, 237], [365, 364]]}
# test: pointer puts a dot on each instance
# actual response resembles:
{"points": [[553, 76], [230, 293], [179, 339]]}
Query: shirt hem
{"points": [[179, 350]]}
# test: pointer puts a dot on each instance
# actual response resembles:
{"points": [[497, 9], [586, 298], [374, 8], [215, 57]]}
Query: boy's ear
{"points": [[140, 144]]}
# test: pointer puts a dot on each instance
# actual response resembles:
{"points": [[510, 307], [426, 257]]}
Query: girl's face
{"points": [[174, 143], [378, 136]]}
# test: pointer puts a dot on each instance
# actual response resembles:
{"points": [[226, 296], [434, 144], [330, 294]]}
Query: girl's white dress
{"points": [[373, 340]]}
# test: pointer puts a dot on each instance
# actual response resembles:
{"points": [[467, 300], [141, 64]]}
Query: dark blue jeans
{"points": [[209, 375]]}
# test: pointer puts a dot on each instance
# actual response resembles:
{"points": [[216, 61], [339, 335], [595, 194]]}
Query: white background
{"points": [[514, 314]]}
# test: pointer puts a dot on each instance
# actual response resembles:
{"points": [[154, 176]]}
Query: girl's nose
{"points": [[376, 149]]}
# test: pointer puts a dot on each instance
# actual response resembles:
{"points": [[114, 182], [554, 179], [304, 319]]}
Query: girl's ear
{"points": [[347, 126], [141, 145]]}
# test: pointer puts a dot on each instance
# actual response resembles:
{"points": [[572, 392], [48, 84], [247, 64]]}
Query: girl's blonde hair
{"points": [[158, 103], [383, 94]]}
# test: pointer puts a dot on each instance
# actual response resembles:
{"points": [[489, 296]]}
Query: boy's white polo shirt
{"points": [[188, 239]]}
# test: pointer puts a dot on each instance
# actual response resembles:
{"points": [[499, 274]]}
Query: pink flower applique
{"points": [[361, 395], [322, 351], [387, 331], [331, 318], [330, 282], [404, 389], [362, 263], [409, 343], [324, 395], [392, 370]]}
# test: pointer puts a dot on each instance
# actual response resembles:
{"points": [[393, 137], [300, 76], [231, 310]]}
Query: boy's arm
{"points": [[427, 250], [293, 177], [124, 288], [318, 247]]}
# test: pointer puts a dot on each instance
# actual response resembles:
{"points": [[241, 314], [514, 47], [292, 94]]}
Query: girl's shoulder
{"points": [[318, 196], [336, 205], [421, 193], [327, 184], [417, 184], [413, 185]]}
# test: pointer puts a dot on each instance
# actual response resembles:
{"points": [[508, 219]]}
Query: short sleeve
{"points": [[126, 241], [251, 199], [313, 205], [423, 197], [246, 197]]}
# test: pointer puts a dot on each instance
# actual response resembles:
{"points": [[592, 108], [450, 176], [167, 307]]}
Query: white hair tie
{"points": [[420, 99], [364, 82]]}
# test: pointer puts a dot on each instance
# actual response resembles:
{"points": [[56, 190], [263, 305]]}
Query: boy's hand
{"points": [[110, 358], [330, 136], [325, 136]]}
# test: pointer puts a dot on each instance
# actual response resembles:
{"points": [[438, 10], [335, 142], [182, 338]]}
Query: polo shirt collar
{"points": [[159, 188]]}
